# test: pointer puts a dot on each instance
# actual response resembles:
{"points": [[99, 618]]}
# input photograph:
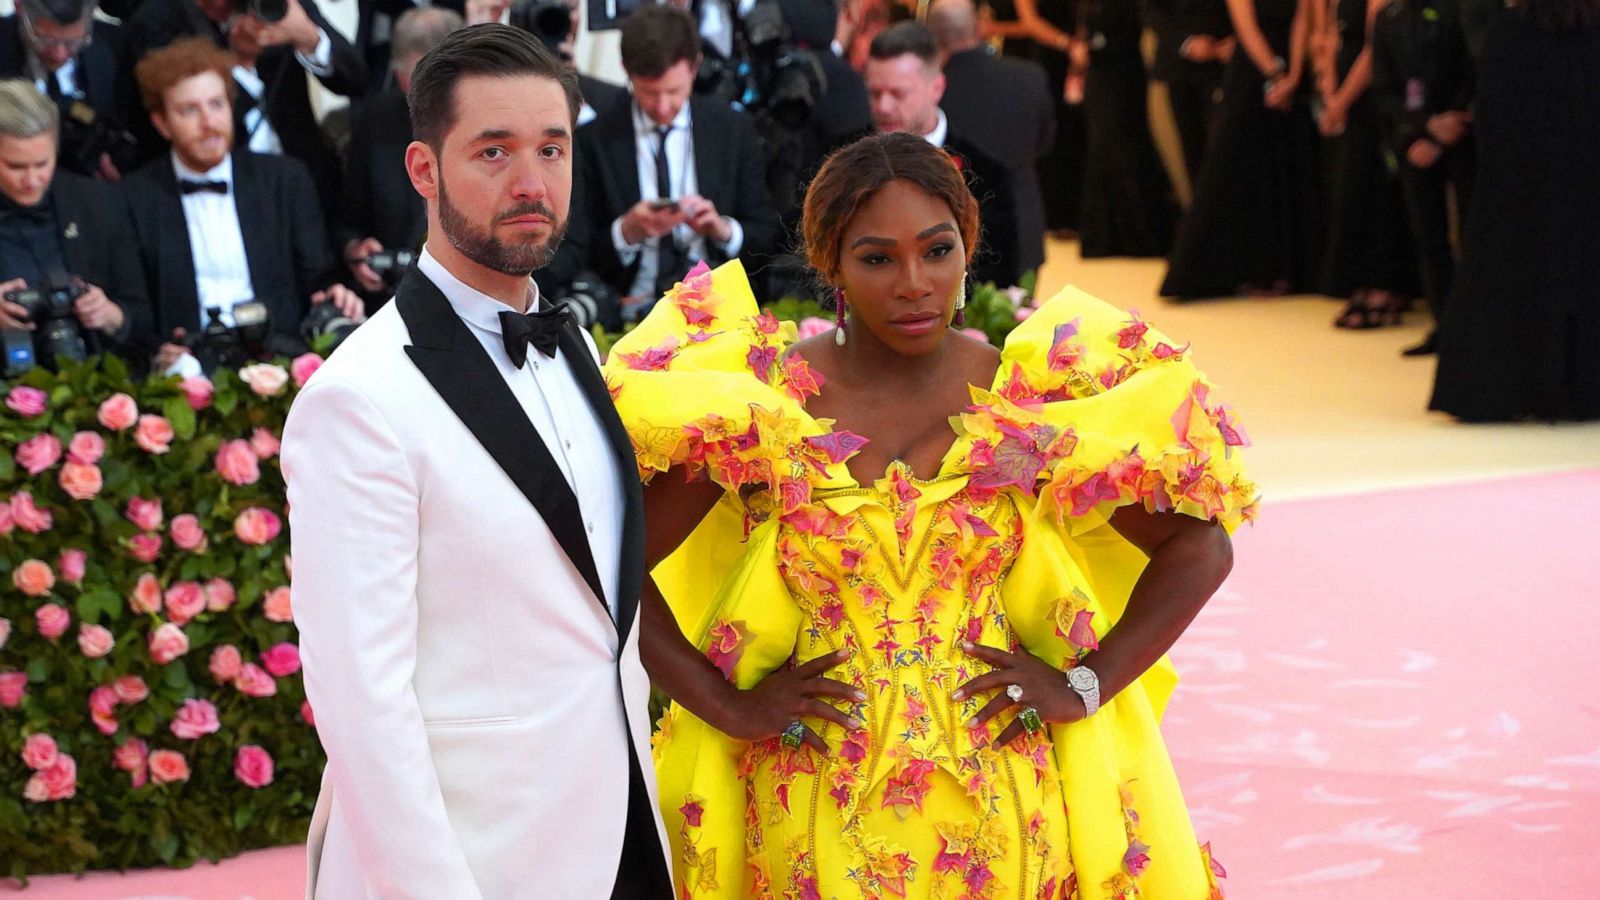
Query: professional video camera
{"points": [[268, 11], [548, 20], [86, 135], [56, 334], [251, 339]]}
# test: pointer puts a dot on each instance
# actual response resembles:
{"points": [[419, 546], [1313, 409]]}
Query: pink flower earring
{"points": [[838, 308]]}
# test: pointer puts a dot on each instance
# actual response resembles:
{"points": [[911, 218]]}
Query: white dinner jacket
{"points": [[469, 684]]}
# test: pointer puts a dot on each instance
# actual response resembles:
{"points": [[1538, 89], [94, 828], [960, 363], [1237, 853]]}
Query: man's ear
{"points": [[423, 167], [158, 118]]}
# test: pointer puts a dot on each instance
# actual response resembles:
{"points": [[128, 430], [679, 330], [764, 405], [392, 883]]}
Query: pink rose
{"points": [[187, 533], [154, 434], [147, 514], [95, 640], [130, 757], [5, 630], [145, 547], [1023, 312], [254, 682], [86, 448], [185, 600], [7, 523], [167, 766], [197, 389], [811, 326], [195, 719], [12, 686], [283, 659], [167, 643], [264, 443], [219, 595], [238, 464], [29, 517], [34, 578], [72, 564], [103, 709], [253, 766], [225, 663], [39, 452], [130, 689], [266, 379], [304, 366], [146, 596], [27, 402], [278, 607], [81, 481], [53, 620], [305, 713], [118, 412], [58, 782], [39, 751], [975, 334], [257, 526]]}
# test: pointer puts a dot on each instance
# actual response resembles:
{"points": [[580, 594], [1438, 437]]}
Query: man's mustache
{"points": [[532, 208]]}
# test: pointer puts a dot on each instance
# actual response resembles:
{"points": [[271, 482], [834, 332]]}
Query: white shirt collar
{"points": [[643, 124], [223, 171], [941, 130], [472, 305]]}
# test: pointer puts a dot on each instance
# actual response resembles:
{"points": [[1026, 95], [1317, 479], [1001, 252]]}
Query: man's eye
{"points": [[493, 153], [553, 151]]}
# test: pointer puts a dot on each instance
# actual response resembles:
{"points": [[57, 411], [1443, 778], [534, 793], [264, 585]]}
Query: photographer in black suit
{"points": [[66, 232], [72, 58], [218, 228]]}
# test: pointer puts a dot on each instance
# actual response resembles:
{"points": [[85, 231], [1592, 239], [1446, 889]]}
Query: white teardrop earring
{"points": [[838, 306]]}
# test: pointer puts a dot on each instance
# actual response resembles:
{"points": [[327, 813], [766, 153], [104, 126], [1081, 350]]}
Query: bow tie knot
{"points": [[194, 187], [542, 329]]}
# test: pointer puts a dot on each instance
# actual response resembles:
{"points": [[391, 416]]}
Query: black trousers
{"points": [[1194, 98], [1426, 193], [642, 871]]}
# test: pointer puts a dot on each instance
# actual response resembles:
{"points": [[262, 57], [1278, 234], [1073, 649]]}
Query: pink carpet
{"points": [[1390, 699]]}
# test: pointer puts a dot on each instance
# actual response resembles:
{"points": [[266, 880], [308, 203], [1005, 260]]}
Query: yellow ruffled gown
{"points": [[1091, 410]]}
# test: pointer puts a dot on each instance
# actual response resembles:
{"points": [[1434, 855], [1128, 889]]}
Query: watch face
{"points": [[1082, 679]]}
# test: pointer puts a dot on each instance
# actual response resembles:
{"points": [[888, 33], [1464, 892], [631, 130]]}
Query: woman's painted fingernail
{"points": [[856, 724], [959, 695], [861, 696]]}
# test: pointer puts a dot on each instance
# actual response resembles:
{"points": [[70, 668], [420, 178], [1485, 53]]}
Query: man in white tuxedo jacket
{"points": [[469, 541]]}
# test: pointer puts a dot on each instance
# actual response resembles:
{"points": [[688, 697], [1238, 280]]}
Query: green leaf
{"points": [[97, 603], [60, 396], [116, 370], [181, 415], [225, 401], [8, 467]]}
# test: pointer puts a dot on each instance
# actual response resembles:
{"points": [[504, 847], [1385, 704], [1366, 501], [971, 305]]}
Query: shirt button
{"points": [[590, 526], [567, 444]]}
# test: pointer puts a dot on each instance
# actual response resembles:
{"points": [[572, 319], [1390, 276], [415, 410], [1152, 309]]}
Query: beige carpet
{"points": [[1329, 411]]}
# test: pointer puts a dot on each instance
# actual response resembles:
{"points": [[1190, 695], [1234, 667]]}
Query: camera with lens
{"points": [[86, 135], [592, 302], [56, 334], [326, 319], [268, 11], [391, 264], [223, 346], [548, 20]]}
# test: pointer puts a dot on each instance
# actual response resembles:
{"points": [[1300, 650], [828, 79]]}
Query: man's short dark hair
{"points": [[488, 51], [905, 37], [61, 12], [656, 37]]}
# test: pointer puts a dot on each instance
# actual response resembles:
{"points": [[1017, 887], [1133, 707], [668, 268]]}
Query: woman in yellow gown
{"points": [[882, 550]]}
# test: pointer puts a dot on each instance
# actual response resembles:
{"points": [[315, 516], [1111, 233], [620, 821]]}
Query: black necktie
{"points": [[541, 329], [196, 187], [667, 263]]}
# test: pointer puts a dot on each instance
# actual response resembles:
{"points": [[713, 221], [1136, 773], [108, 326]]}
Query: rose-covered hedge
{"points": [[151, 711]]}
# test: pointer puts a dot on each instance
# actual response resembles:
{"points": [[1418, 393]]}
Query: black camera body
{"points": [[592, 302], [86, 136], [56, 334], [325, 319], [548, 20], [222, 346], [268, 11], [391, 264]]}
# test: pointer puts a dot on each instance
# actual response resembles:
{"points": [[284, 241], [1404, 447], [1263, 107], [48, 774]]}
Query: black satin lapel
{"points": [[466, 378], [631, 558]]}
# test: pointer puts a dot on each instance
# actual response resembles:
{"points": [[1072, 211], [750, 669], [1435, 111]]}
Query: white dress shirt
{"points": [[221, 269], [680, 165], [941, 130], [66, 77], [550, 396]]}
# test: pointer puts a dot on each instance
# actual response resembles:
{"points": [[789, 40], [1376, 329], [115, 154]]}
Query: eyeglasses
{"points": [[72, 45]]}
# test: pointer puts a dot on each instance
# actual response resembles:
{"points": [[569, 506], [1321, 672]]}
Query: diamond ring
{"points": [[1014, 691]]}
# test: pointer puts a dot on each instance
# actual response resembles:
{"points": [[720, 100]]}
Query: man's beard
{"points": [[483, 248]]}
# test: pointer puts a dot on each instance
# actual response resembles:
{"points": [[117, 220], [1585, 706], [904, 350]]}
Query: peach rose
{"points": [[27, 402], [130, 689], [72, 564], [253, 766], [39, 751], [264, 443], [118, 412], [283, 659], [266, 379], [225, 663], [130, 757], [219, 594], [257, 526], [306, 714], [254, 682], [53, 620], [39, 452], [147, 514], [238, 464], [29, 517], [34, 578], [197, 389], [81, 481], [12, 686], [58, 782], [146, 596], [167, 766], [278, 607], [185, 600], [304, 366], [5, 631], [187, 533], [86, 448], [167, 643], [103, 709], [95, 640], [195, 719], [154, 434], [145, 547]]}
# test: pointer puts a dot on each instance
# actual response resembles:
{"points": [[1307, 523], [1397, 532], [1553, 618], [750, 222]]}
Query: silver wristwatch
{"points": [[1085, 684]]}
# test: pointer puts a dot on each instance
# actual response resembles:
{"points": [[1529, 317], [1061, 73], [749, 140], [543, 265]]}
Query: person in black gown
{"points": [[1051, 24], [1253, 226], [1520, 338], [1194, 41], [1369, 255], [1128, 208]]}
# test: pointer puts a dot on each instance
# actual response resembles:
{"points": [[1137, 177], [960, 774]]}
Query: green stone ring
{"points": [[1029, 717], [795, 735]]}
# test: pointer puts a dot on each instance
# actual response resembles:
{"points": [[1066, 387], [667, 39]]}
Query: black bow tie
{"points": [[541, 329], [196, 187]]}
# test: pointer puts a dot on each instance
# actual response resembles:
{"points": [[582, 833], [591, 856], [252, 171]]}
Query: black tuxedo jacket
{"points": [[1421, 41], [999, 258], [98, 245], [601, 95], [379, 200], [284, 241], [728, 167]]}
